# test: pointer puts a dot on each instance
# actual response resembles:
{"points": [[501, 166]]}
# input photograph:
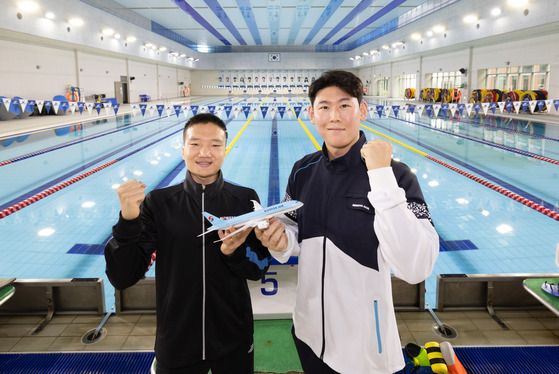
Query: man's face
{"points": [[337, 116], [204, 151]]}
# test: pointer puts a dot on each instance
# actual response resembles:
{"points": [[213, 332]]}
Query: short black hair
{"points": [[344, 80], [204, 118]]}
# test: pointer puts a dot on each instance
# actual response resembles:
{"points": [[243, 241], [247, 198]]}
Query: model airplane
{"points": [[551, 288], [257, 218]]}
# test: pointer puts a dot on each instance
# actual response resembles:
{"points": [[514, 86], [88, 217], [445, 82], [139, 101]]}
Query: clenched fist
{"points": [[377, 153], [131, 194]]}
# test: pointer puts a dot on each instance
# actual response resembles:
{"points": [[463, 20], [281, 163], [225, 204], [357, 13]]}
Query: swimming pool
{"points": [[62, 234]]}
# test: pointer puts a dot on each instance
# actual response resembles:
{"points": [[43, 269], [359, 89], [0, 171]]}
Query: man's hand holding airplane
{"points": [[273, 237], [377, 153], [229, 245]]}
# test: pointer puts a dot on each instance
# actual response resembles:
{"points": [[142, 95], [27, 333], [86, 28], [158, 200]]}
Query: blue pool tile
{"points": [[456, 245]]}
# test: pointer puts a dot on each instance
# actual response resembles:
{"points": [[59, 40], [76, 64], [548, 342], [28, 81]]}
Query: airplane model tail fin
{"points": [[257, 205], [213, 219]]}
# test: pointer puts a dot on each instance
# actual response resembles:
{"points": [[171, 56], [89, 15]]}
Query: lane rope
{"points": [[503, 191]]}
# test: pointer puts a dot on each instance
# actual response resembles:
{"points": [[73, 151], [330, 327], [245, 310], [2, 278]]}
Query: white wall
{"points": [[97, 74], [35, 72]]}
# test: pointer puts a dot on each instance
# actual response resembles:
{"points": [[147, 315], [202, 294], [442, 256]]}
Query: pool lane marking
{"points": [[481, 141], [529, 203], [81, 140], [318, 147], [33, 199], [242, 129], [395, 141]]}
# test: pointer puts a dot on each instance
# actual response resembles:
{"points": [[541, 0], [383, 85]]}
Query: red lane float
{"points": [[41, 195], [501, 190]]}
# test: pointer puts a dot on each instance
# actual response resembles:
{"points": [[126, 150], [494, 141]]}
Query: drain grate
{"points": [[445, 331], [93, 336]]}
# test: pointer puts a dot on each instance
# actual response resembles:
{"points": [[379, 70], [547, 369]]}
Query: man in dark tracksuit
{"points": [[204, 313]]}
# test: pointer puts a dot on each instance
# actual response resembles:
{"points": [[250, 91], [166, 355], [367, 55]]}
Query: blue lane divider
{"points": [[485, 175], [273, 180], [83, 140], [473, 139], [88, 165]]}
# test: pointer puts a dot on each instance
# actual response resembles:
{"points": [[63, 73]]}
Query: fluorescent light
{"points": [[161, 49], [75, 21], [148, 44], [470, 18], [108, 31], [352, 58], [438, 29], [182, 55], [49, 15], [374, 51], [28, 6], [386, 46], [429, 33], [416, 36], [517, 3], [116, 36], [131, 38], [365, 53], [495, 11]]}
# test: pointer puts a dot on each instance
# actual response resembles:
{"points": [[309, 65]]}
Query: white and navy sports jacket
{"points": [[354, 228]]}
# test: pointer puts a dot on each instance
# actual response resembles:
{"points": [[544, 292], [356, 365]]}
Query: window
{"points": [[525, 78], [448, 79]]}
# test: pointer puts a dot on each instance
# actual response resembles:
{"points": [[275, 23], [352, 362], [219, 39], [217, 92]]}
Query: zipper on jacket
{"points": [[324, 269], [203, 276], [377, 322]]}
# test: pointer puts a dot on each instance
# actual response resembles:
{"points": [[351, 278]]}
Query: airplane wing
{"points": [[246, 225], [249, 219]]}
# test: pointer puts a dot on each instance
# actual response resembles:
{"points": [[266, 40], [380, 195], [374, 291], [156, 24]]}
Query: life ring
{"points": [[409, 93], [364, 89], [456, 95], [72, 96], [185, 90], [475, 96], [445, 95]]}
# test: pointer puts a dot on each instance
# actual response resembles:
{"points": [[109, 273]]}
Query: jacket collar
{"points": [[350, 159], [193, 188]]}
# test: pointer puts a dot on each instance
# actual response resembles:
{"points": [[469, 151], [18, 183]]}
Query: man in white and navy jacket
{"points": [[363, 216]]}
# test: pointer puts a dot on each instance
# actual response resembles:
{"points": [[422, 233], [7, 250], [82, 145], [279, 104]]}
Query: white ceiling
{"points": [[284, 25]]}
